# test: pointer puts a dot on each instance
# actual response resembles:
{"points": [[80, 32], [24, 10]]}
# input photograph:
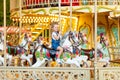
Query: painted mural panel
{"points": [[100, 29], [85, 28], [115, 33]]}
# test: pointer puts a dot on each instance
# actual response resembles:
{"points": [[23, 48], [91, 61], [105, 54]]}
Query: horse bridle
{"points": [[1, 38], [80, 36], [71, 36], [102, 40]]}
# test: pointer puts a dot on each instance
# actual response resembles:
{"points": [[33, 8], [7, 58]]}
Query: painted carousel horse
{"points": [[38, 49], [8, 56], [23, 48], [102, 51], [81, 46]]}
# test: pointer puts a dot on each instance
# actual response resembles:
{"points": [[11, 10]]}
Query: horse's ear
{"points": [[101, 34], [70, 32]]}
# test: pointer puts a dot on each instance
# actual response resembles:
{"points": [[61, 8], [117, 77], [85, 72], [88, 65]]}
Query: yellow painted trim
{"points": [[43, 10], [105, 7], [82, 8], [54, 9]]}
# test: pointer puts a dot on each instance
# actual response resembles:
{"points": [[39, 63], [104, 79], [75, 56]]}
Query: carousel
{"points": [[89, 39]]}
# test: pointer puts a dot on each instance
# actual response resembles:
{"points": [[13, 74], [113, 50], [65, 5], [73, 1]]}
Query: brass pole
{"points": [[4, 3], [20, 14], [118, 28], [95, 23], [60, 14], [70, 14]]}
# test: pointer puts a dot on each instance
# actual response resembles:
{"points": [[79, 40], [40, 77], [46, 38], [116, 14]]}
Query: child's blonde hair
{"points": [[54, 23]]}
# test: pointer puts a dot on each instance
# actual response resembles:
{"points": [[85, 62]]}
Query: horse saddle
{"points": [[52, 52]]}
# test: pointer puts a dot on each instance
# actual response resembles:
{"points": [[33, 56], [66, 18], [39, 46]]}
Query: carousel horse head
{"points": [[27, 37], [1, 40], [40, 39], [25, 42], [0, 34], [68, 40], [102, 41], [82, 37]]}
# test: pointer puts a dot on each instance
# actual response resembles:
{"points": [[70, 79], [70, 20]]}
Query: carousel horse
{"points": [[82, 39], [23, 48], [8, 56], [102, 51], [38, 49]]}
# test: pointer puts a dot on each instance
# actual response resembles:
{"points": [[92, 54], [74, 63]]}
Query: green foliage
{"points": [[8, 21]]}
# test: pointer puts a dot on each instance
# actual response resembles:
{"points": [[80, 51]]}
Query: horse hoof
{"points": [[81, 65], [61, 65], [104, 65], [2, 55], [47, 64]]}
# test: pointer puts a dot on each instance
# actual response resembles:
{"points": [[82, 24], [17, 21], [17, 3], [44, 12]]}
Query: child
{"points": [[56, 40]]}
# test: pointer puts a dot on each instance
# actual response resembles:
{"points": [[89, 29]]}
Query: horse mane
{"points": [[64, 37]]}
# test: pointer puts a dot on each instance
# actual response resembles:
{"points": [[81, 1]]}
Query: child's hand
{"points": [[60, 33]]}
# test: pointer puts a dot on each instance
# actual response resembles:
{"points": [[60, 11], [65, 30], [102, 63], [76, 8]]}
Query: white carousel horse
{"points": [[38, 48], [24, 47], [102, 50], [8, 56]]}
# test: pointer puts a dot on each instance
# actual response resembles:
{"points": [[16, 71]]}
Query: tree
{"points": [[8, 21]]}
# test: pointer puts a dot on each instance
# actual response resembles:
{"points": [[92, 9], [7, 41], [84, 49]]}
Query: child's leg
{"points": [[60, 51]]}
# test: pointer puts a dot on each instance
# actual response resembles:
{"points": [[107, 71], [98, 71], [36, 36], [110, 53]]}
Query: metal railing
{"points": [[111, 73], [30, 4], [27, 73]]}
